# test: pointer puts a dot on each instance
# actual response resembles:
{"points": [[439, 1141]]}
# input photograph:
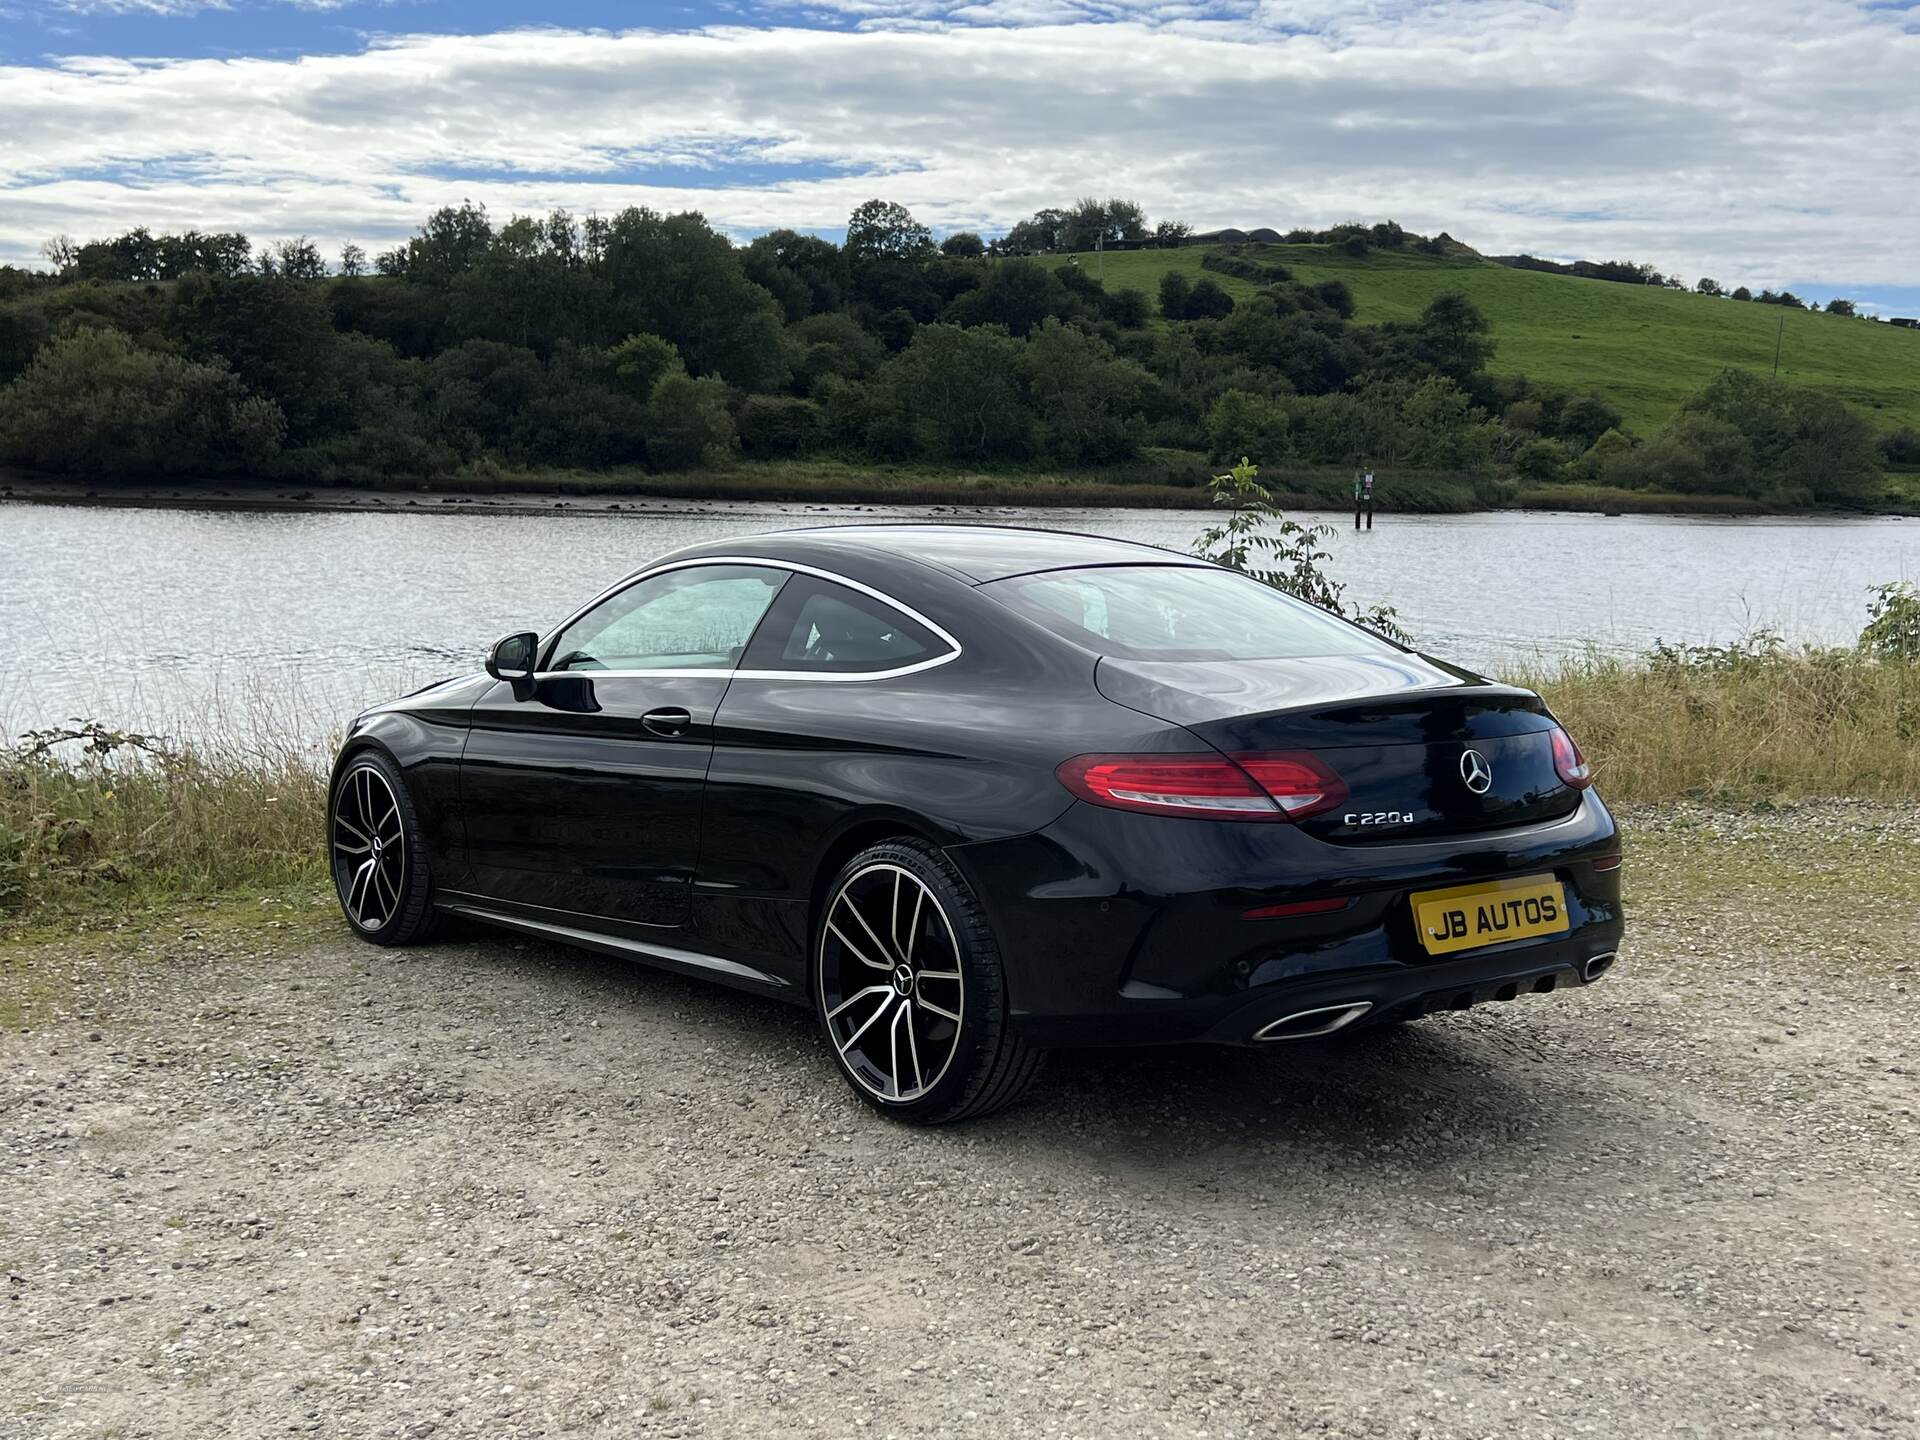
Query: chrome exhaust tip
{"points": [[1305, 1024], [1598, 966]]}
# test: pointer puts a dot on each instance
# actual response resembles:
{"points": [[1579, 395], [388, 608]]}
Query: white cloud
{"points": [[1767, 141]]}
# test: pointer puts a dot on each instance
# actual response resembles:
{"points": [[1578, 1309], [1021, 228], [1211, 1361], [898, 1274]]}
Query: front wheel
{"points": [[911, 990], [380, 869]]}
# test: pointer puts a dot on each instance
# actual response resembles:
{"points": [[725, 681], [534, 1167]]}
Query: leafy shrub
{"points": [[1893, 626], [1540, 460], [1207, 301], [1240, 264], [778, 425], [1259, 541], [688, 423], [1087, 400], [1901, 447], [1129, 309], [1241, 423], [97, 404], [953, 393], [1335, 295], [1176, 290], [640, 361]]}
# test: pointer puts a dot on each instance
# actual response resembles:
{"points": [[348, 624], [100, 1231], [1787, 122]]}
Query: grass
{"points": [[1790, 727], [129, 826], [1643, 348], [1159, 478], [1612, 500]]}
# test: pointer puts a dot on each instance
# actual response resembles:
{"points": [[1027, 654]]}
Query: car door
{"points": [[581, 788]]}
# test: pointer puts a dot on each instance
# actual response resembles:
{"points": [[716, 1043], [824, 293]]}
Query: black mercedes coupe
{"points": [[972, 793]]}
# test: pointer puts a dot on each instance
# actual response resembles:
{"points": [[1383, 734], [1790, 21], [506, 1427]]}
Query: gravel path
{"points": [[264, 1183]]}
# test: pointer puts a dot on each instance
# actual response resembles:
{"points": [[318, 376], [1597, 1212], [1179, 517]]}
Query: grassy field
{"points": [[1644, 349]]}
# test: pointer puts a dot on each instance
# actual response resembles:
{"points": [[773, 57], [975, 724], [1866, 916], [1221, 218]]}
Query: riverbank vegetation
{"points": [[643, 346]]}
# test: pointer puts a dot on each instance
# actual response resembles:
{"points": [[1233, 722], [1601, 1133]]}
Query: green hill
{"points": [[1645, 349]]}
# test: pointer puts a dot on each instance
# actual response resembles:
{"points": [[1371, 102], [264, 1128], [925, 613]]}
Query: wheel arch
{"points": [[857, 833]]}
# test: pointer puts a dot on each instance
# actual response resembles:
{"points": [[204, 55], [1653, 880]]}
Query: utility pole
{"points": [[1100, 257], [1778, 336]]}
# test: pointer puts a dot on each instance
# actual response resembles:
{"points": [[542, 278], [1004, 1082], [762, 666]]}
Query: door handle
{"points": [[671, 721]]}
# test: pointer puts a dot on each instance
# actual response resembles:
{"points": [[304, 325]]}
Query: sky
{"points": [[1763, 142]]}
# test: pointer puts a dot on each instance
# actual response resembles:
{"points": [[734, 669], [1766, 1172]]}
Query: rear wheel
{"points": [[911, 990], [380, 868]]}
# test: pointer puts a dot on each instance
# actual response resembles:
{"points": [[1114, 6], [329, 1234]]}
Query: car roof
{"points": [[979, 553]]}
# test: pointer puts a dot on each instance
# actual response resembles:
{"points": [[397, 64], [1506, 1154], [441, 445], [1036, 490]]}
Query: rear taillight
{"points": [[1569, 763], [1206, 787]]}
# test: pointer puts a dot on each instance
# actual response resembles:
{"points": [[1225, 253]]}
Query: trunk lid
{"points": [[1425, 749]]}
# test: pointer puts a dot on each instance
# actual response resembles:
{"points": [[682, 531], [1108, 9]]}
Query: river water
{"points": [[204, 623]]}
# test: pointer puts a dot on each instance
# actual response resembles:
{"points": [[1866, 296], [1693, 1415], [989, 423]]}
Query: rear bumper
{"points": [[1389, 993], [1122, 929]]}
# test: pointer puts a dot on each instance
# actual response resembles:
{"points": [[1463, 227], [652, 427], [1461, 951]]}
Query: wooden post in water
{"points": [[1363, 498]]}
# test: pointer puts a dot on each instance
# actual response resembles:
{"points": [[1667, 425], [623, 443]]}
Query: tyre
{"points": [[911, 991], [380, 868]]}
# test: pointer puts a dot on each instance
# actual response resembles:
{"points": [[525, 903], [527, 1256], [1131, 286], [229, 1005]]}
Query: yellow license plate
{"points": [[1469, 916]]}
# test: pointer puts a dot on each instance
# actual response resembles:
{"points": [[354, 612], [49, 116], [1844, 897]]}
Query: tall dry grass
{"points": [[102, 817], [1754, 728]]}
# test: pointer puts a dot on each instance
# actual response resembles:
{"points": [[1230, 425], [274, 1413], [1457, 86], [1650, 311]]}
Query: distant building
{"points": [[1217, 237], [1906, 321]]}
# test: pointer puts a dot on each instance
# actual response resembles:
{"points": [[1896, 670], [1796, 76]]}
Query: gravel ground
{"points": [[263, 1181]]}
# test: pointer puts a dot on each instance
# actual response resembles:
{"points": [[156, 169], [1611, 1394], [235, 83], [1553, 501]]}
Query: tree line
{"points": [[643, 338]]}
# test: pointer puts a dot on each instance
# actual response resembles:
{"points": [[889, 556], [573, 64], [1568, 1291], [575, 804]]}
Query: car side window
{"points": [[831, 629], [699, 618]]}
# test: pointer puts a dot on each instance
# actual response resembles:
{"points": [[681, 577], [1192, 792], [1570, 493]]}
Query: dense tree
{"points": [[1838, 306], [296, 259], [1017, 295], [641, 361], [1901, 447], [97, 404], [1243, 423], [955, 393], [1176, 290], [1455, 334], [1706, 285], [1746, 433], [602, 340], [827, 345], [675, 277], [1087, 399], [448, 245], [884, 230], [772, 426], [688, 424], [276, 334], [806, 274], [1043, 232], [1208, 301]]}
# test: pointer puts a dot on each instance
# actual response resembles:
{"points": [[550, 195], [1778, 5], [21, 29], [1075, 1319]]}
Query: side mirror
{"points": [[513, 657]]}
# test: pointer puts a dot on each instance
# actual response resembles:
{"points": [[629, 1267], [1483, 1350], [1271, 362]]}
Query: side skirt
{"points": [[667, 957]]}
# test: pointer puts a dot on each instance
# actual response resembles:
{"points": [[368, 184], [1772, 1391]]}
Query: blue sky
{"points": [[1765, 142]]}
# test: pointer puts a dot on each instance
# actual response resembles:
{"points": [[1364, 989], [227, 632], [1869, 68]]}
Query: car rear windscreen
{"points": [[1167, 612]]}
